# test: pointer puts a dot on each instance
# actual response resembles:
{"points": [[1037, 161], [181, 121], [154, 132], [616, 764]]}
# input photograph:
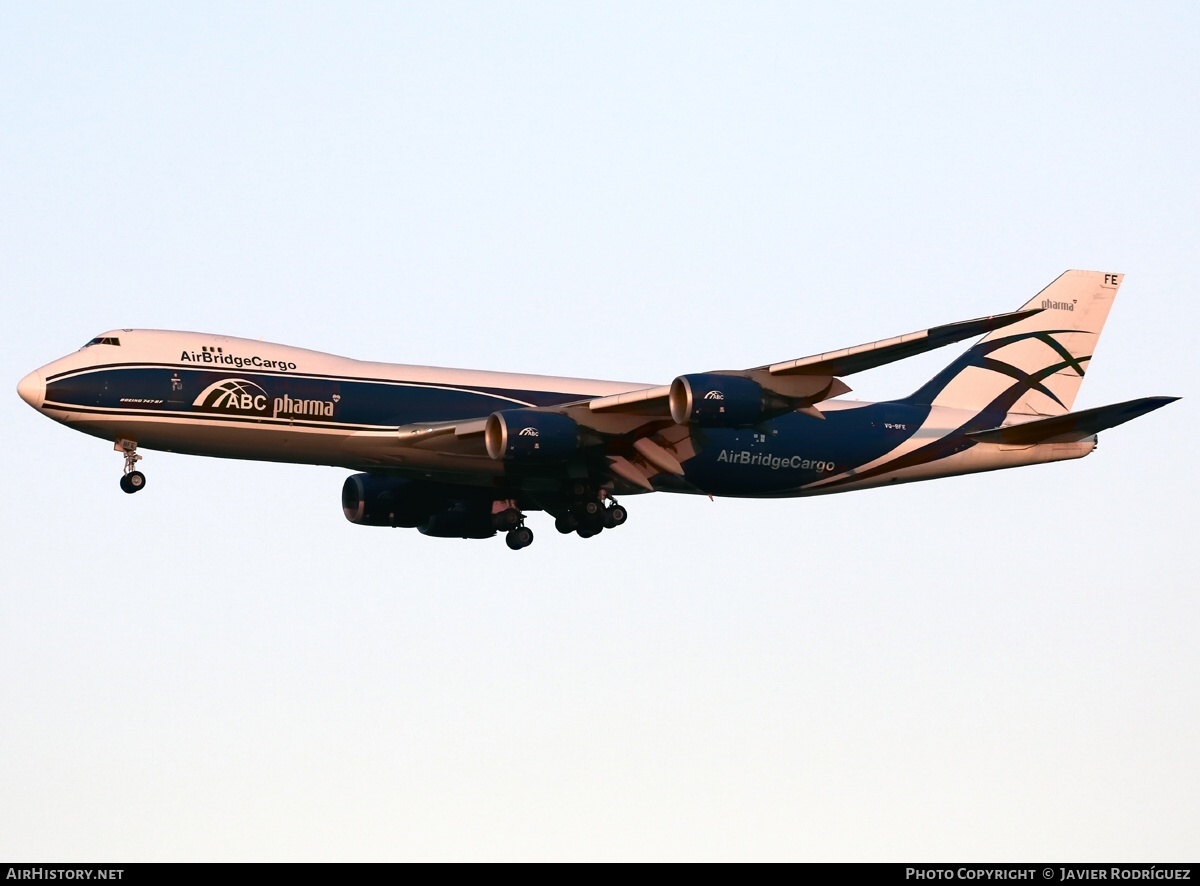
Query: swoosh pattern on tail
{"points": [[1046, 354]]}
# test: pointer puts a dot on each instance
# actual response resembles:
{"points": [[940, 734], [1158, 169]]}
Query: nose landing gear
{"points": [[133, 480]]}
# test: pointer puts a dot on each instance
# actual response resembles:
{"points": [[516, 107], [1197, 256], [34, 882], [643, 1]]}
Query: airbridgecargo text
{"points": [[235, 360], [774, 462]]}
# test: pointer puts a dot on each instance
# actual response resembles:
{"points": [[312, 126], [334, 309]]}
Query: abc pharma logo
{"points": [[233, 395]]}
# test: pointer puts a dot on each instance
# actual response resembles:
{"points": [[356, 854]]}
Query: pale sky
{"points": [[997, 667]]}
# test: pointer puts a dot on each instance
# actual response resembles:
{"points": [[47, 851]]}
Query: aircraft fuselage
{"points": [[236, 398]]}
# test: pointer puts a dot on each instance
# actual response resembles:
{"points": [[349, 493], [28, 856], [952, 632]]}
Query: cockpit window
{"points": [[104, 340]]}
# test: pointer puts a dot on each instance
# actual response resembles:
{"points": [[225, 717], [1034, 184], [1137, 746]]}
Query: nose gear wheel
{"points": [[132, 480]]}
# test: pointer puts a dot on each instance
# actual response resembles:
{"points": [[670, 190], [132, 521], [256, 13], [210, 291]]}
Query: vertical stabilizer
{"points": [[1035, 366]]}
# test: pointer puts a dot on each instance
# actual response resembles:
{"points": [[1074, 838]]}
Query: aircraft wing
{"points": [[646, 432], [632, 435], [877, 353], [653, 401]]}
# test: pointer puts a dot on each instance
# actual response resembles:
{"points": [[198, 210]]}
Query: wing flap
{"points": [[629, 472], [1072, 426]]}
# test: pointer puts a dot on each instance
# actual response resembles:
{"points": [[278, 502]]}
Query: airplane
{"points": [[459, 453]]}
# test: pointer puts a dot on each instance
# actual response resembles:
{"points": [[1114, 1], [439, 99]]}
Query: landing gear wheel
{"points": [[587, 511], [507, 519], [521, 537], [133, 481], [590, 526]]}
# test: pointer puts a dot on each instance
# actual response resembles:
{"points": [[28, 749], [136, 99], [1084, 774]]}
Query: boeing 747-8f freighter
{"points": [[465, 454]]}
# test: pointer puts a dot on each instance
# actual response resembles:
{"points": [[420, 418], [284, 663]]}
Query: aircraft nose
{"points": [[32, 389]]}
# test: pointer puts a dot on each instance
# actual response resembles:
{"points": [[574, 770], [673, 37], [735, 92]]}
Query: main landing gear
{"points": [[590, 512], [586, 511], [133, 480], [518, 535]]}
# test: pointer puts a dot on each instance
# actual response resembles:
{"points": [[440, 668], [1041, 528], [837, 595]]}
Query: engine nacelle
{"points": [[530, 434], [722, 401], [436, 509], [371, 500]]}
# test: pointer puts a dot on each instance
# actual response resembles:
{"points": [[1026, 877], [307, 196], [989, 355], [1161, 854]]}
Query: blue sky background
{"points": [[998, 667]]}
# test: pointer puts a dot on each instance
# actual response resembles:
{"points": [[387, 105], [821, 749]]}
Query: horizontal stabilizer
{"points": [[888, 350], [1072, 426]]}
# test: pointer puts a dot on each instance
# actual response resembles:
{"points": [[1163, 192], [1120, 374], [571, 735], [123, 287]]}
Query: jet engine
{"points": [[529, 434], [372, 500], [436, 509], [711, 400]]}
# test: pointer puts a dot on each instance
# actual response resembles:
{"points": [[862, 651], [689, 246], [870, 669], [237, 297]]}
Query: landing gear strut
{"points": [[510, 518], [133, 480]]}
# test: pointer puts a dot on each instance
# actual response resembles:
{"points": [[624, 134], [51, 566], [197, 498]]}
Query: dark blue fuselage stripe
{"points": [[782, 455], [523, 396], [324, 401], [213, 417]]}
